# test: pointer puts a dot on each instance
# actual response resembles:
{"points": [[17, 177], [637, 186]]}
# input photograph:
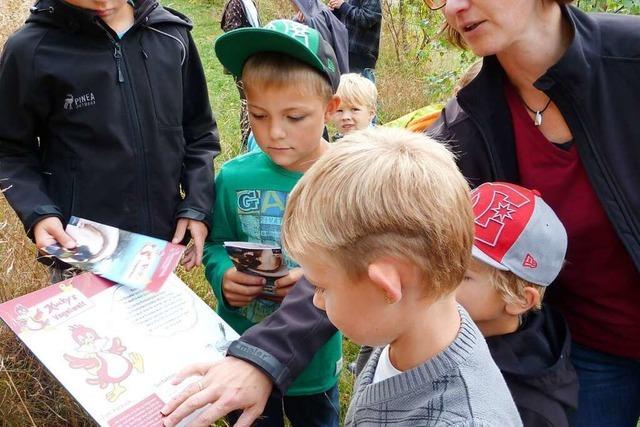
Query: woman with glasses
{"points": [[553, 108]]}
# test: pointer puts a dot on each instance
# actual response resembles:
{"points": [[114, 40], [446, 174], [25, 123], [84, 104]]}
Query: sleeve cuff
{"points": [[40, 213], [195, 215], [276, 371]]}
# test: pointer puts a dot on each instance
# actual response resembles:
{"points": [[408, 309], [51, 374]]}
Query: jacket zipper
{"points": [[144, 217], [117, 55]]}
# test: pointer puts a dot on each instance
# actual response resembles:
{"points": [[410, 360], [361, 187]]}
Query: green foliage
{"points": [[612, 6]]}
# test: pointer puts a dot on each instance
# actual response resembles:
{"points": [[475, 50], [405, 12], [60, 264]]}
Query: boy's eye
{"points": [[296, 118], [355, 110]]}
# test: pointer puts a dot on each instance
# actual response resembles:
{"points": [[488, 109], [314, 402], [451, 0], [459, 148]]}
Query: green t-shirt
{"points": [[251, 195]]}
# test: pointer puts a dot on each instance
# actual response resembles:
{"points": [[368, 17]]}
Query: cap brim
{"points": [[481, 256], [235, 47]]}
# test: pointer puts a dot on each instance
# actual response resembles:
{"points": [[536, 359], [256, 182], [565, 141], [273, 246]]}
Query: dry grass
{"points": [[28, 393]]}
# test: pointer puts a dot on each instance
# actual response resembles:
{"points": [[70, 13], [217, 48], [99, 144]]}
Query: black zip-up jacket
{"points": [[363, 19], [596, 86], [105, 128], [535, 363]]}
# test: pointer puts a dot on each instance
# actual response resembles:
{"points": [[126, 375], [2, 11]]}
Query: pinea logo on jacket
{"points": [[76, 102]]}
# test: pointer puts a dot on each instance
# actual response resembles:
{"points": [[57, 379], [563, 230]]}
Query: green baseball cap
{"points": [[284, 36]]}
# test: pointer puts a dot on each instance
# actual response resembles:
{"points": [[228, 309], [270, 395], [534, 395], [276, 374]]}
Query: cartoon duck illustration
{"points": [[31, 321], [104, 360]]}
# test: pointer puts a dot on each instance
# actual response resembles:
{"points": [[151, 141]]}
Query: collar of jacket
{"points": [[60, 14], [483, 101]]}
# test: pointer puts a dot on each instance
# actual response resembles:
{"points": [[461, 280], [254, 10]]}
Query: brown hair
{"points": [[509, 286], [384, 192], [269, 69]]}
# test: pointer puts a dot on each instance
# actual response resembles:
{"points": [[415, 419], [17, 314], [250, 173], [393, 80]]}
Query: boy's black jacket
{"points": [[536, 366], [105, 128]]}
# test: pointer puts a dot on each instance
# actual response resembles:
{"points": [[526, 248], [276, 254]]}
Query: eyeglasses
{"points": [[435, 4]]}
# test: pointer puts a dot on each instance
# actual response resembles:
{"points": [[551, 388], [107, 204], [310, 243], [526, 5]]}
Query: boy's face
{"points": [[349, 117], [105, 9], [288, 125], [479, 297], [355, 307]]}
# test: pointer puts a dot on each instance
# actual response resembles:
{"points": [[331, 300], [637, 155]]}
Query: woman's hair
{"points": [[455, 38]]}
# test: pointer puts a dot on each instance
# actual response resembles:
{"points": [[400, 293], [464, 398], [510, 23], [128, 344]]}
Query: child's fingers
{"points": [[244, 278], [181, 228]]}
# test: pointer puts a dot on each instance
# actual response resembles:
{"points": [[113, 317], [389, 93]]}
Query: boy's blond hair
{"points": [[357, 90], [509, 286], [384, 193], [269, 69]]}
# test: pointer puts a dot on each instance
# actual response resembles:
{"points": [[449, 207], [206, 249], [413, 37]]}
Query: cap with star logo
{"points": [[515, 230], [281, 36]]}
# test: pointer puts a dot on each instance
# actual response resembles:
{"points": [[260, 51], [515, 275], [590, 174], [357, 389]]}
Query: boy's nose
{"points": [[276, 131]]}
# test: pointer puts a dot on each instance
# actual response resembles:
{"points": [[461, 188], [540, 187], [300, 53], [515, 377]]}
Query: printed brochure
{"points": [[114, 348], [259, 259], [127, 258]]}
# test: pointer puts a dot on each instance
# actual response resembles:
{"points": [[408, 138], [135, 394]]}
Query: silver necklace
{"points": [[538, 119]]}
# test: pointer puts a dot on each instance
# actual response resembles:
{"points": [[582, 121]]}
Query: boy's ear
{"points": [[372, 112], [332, 107], [386, 275], [530, 299]]}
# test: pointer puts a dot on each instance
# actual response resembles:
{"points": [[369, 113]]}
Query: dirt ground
{"points": [[12, 14]]}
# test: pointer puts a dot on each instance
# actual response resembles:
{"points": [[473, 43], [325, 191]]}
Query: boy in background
{"points": [[358, 99], [518, 250], [290, 76], [382, 226], [105, 116]]}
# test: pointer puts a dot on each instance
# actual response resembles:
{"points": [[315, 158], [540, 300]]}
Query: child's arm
{"points": [[202, 142], [284, 343], [24, 105], [231, 288]]}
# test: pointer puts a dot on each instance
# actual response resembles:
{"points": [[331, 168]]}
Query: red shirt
{"points": [[598, 289]]}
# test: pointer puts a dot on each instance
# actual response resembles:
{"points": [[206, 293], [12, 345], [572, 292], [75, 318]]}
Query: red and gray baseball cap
{"points": [[515, 230], [281, 36]]}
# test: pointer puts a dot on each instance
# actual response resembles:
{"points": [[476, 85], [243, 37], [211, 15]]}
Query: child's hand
{"points": [[335, 4], [239, 289], [286, 283], [198, 230], [50, 231]]}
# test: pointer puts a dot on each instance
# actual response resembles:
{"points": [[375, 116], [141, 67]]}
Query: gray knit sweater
{"points": [[460, 386]]}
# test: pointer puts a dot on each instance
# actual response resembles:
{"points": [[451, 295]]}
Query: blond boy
{"points": [[382, 226], [518, 250], [290, 77], [358, 98]]}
